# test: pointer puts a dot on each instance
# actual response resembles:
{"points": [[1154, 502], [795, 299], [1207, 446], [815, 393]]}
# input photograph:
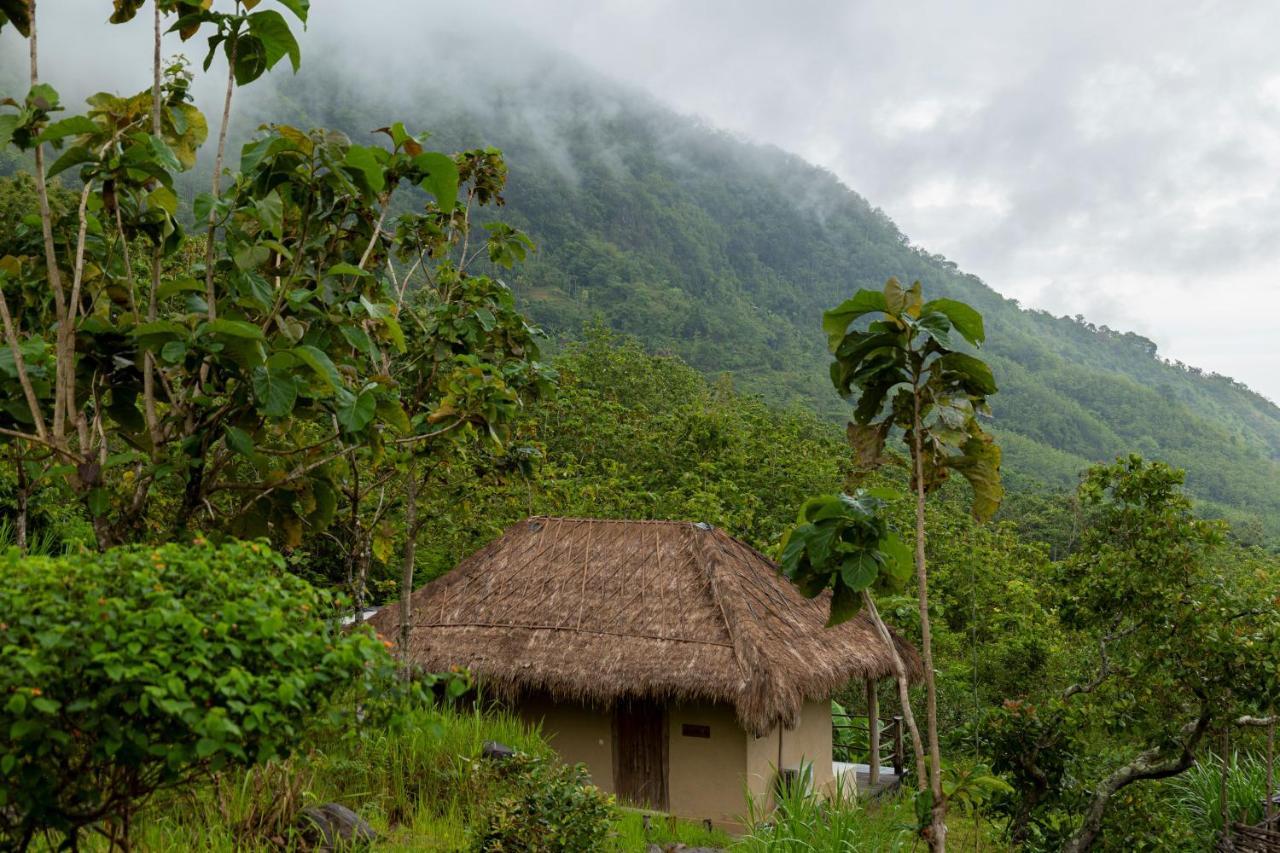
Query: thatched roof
{"points": [[594, 610]]}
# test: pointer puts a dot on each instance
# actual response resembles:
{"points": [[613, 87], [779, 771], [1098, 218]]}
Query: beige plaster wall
{"points": [[808, 743], [579, 734], [706, 776]]}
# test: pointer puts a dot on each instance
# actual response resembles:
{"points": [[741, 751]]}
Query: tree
{"points": [[236, 388], [140, 669], [902, 372], [843, 543], [1180, 647]]}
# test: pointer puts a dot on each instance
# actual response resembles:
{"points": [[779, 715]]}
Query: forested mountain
{"points": [[726, 253]]}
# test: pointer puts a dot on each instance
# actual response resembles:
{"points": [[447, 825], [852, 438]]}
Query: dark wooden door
{"points": [[640, 754]]}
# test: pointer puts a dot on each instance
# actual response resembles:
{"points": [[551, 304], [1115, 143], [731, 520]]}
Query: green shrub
{"points": [[139, 669], [551, 808]]}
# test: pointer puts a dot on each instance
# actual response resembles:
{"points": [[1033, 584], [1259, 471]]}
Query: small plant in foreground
{"points": [[140, 669], [552, 808]]}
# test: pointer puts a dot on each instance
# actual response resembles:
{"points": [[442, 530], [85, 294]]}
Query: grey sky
{"points": [[1117, 160]]}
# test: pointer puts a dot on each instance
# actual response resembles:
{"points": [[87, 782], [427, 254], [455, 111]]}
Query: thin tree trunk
{"points": [[217, 184], [938, 823], [407, 565], [904, 697], [50, 260], [148, 361], [24, 485], [1145, 766], [20, 365]]}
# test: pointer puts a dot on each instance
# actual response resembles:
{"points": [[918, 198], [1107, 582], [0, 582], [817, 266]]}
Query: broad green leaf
{"points": [[979, 463], [359, 340], [898, 301], [273, 31], [391, 326], [898, 563], [441, 179], [276, 392], [355, 411], [7, 125], [235, 329], [251, 59], [173, 352], [125, 10], [345, 268], [867, 441], [974, 370], [320, 363], [73, 126], [240, 441], [153, 333], [74, 156], [363, 159], [179, 285], [964, 319], [164, 198], [859, 571], [393, 415], [845, 604], [18, 13], [836, 321], [299, 8]]}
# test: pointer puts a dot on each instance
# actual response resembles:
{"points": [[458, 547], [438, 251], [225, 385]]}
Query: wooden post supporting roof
{"points": [[873, 731]]}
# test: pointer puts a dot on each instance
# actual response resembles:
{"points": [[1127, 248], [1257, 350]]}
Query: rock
{"points": [[333, 826], [496, 751]]}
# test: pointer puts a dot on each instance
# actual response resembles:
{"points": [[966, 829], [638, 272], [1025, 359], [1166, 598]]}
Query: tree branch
{"points": [[1147, 765]]}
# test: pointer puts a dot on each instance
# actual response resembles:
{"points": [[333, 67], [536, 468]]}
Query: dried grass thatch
{"points": [[594, 610]]}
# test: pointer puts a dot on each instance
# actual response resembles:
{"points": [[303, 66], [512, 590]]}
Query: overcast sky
{"points": [[1117, 160]]}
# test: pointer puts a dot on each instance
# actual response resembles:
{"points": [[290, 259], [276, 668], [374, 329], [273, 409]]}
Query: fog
{"points": [[1115, 161]]}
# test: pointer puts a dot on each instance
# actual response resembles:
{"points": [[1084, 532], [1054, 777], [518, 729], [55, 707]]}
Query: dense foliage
{"points": [[727, 253], [139, 669], [549, 808]]}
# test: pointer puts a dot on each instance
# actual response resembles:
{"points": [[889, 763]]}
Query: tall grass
{"points": [[801, 822], [1197, 793], [411, 782]]}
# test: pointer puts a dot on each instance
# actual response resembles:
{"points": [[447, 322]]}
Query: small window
{"points": [[695, 730]]}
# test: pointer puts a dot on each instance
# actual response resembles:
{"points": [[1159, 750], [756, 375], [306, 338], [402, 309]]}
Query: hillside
{"points": [[726, 253]]}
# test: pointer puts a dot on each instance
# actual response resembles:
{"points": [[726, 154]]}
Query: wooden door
{"points": [[640, 754]]}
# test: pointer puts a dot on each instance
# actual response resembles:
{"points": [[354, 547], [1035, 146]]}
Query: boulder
{"points": [[496, 751], [333, 826]]}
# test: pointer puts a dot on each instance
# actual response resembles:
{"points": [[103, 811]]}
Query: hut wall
{"points": [[808, 743], [580, 734], [707, 763]]}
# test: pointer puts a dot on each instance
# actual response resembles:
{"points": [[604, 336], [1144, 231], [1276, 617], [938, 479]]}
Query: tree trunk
{"points": [[1146, 766], [148, 361], [937, 836], [24, 487], [52, 270], [904, 698], [217, 184], [873, 732], [407, 565]]}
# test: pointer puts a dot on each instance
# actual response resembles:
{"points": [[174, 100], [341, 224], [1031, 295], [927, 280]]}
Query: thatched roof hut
{"points": [[596, 611]]}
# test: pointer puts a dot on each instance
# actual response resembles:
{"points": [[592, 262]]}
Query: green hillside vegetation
{"points": [[726, 253]]}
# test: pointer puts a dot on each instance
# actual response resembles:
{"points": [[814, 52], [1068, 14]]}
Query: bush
{"points": [[139, 669], [551, 808]]}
